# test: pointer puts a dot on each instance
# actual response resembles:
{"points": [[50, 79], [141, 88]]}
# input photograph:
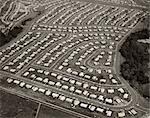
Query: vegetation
{"points": [[2, 38], [11, 34], [135, 68], [25, 21], [5, 38]]}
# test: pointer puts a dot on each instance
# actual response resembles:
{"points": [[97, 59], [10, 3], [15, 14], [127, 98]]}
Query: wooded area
{"points": [[135, 67], [5, 38]]}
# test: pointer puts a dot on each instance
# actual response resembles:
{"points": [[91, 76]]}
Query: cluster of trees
{"points": [[5, 38], [11, 34], [136, 56], [25, 21]]}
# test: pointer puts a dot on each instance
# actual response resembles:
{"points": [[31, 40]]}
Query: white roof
{"points": [[114, 81], [93, 95], [118, 100], [121, 90], [33, 76], [110, 90], [51, 83], [41, 90], [48, 92], [86, 93], [133, 111], [110, 76], [76, 102], [40, 71], [39, 79], [46, 72], [81, 74], [72, 81], [69, 70], [78, 91], [78, 83], [94, 78], [109, 100], [59, 77], [62, 98], [85, 85], [65, 64], [54, 95], [101, 97], [65, 87], [77, 63], [126, 95], [121, 114], [22, 84], [87, 76], [60, 67], [12, 70], [99, 71], [54, 74], [69, 100], [46, 80], [100, 110], [9, 80], [65, 79], [103, 80], [16, 81], [93, 87], [75, 72], [107, 63], [6, 67], [109, 113], [28, 85], [92, 108], [84, 105], [34, 88], [58, 84]]}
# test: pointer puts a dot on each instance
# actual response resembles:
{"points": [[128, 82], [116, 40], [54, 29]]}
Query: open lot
{"points": [[12, 106]]}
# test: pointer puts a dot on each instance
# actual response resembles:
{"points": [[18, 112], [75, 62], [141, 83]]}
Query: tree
{"points": [[136, 54]]}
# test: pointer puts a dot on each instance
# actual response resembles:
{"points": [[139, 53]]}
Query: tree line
{"points": [[135, 67], [5, 38]]}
